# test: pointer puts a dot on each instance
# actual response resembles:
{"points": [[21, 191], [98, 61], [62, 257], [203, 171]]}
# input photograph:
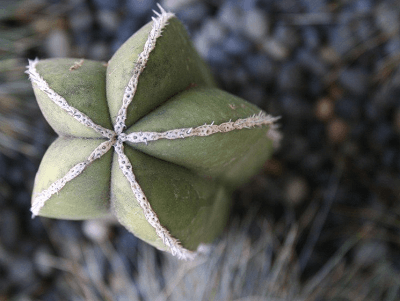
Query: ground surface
{"points": [[320, 222]]}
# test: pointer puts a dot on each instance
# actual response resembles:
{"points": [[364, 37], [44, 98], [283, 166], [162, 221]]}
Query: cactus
{"points": [[147, 137]]}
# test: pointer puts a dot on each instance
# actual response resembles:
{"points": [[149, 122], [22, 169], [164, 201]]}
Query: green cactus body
{"points": [[147, 137]]}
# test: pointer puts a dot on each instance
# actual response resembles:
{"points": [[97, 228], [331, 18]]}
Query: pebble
{"points": [[364, 6], [275, 49], [381, 135], [392, 47], [296, 190], [291, 77], [311, 37], [193, 14], [107, 5], [96, 230], [141, 7], [99, 51], [260, 66], [355, 80], [286, 35], [81, 19], [126, 28], [348, 108], [42, 259], [387, 18], [337, 131], [315, 6], [231, 16], [22, 271], [342, 39], [255, 24], [212, 30], [396, 120], [369, 252], [236, 45], [217, 58], [9, 228], [57, 44], [311, 62], [295, 106], [324, 109], [254, 94], [108, 21]]}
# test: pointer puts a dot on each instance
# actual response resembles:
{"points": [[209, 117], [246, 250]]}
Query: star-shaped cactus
{"points": [[147, 137]]}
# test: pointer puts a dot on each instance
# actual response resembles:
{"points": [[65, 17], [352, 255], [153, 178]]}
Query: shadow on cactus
{"points": [[147, 137]]}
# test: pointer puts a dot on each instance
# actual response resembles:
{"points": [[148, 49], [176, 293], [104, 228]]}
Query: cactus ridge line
{"points": [[203, 130], [158, 24], [82, 118], [116, 138], [41, 198]]}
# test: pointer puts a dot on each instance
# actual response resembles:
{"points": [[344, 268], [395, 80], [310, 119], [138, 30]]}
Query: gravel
{"points": [[327, 202]]}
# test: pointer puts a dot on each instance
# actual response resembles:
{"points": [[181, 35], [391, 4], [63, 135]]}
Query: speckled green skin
{"points": [[187, 181]]}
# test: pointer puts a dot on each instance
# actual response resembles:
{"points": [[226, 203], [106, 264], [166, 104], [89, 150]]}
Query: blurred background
{"points": [[321, 221]]}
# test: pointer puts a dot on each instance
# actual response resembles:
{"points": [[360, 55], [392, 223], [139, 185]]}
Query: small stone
{"points": [[9, 228], [231, 16], [99, 51], [337, 130], [202, 43], [218, 58], [370, 252], [290, 77], [286, 35], [324, 109], [57, 43], [273, 167], [259, 66], [96, 230], [355, 80], [108, 20], [106, 4], [315, 6], [311, 62], [329, 55], [80, 19], [175, 5], [193, 14], [296, 190], [236, 45], [294, 106], [140, 7], [364, 6], [275, 49], [310, 37], [255, 24], [41, 259], [213, 30], [22, 270], [341, 39], [387, 18], [392, 46], [348, 108], [254, 94], [396, 120]]}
